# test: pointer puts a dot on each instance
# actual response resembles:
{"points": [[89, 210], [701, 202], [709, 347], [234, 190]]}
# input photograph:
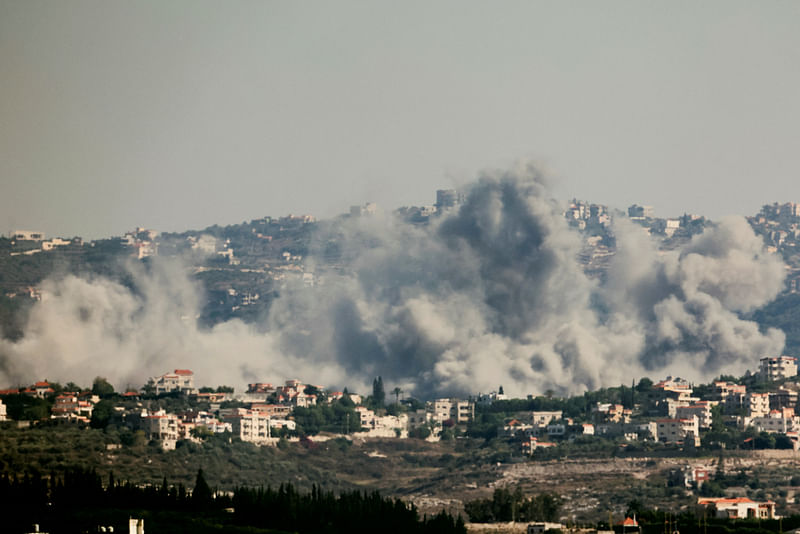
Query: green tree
{"points": [[102, 388], [101, 414], [378, 394], [202, 496], [397, 392]]}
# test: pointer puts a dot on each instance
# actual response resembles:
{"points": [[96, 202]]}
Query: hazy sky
{"points": [[181, 114]]}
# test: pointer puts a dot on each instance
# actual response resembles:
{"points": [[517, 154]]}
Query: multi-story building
{"points": [[459, 411], [701, 409], [678, 430], [249, 426], [181, 381], [161, 426], [68, 406], [777, 368], [783, 398], [723, 390], [757, 404]]}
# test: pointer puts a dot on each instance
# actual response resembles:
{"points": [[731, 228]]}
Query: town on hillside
{"points": [[757, 411]]}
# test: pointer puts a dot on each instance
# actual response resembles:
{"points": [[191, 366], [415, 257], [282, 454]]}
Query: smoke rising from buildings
{"points": [[487, 294]]}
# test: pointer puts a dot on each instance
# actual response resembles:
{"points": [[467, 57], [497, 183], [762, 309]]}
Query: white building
{"points": [[739, 508], [181, 381], [163, 427], [757, 404], [27, 235], [458, 410], [250, 426], [777, 368]]}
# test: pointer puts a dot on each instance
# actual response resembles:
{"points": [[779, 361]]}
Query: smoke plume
{"points": [[488, 294]]}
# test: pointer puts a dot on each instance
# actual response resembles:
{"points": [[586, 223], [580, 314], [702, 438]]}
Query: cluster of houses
{"points": [[263, 411], [266, 408], [684, 415]]}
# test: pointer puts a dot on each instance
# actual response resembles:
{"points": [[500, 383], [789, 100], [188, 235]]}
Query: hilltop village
{"points": [[754, 412], [178, 416], [243, 267]]}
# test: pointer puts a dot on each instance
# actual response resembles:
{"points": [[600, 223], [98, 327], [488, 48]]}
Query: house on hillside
{"points": [[180, 381], [739, 508]]}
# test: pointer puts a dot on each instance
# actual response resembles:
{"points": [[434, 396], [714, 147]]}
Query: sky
{"points": [[182, 114]]}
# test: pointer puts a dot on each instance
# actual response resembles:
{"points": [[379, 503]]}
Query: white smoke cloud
{"points": [[489, 294]]}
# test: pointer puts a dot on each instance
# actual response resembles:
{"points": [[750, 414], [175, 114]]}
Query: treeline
{"points": [[506, 505], [320, 511], [78, 501]]}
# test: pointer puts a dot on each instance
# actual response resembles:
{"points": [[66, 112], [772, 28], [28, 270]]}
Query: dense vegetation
{"points": [[78, 501], [506, 505]]}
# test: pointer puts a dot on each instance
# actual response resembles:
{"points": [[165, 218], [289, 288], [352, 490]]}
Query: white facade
{"points": [[455, 409], [777, 368], [182, 381]]}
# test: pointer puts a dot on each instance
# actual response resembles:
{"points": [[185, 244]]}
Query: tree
{"points": [[500, 391], [378, 394], [397, 392], [101, 414], [645, 385], [102, 388], [202, 494]]}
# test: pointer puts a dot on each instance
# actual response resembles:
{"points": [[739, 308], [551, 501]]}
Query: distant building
{"points": [[459, 411], [27, 235], [181, 381], [544, 418], [250, 426], [678, 431], [739, 508], [777, 368]]}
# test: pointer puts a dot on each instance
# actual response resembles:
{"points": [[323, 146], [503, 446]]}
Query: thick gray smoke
{"points": [[485, 295]]}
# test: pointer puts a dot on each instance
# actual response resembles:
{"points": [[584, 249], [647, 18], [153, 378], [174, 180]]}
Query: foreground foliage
{"points": [[78, 501]]}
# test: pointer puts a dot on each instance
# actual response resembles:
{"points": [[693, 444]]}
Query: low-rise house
{"points": [[272, 410], [212, 396], [40, 389], [544, 418], [613, 413], [739, 508], [3, 412], [531, 444], [387, 426], [69, 406], [514, 428]]}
